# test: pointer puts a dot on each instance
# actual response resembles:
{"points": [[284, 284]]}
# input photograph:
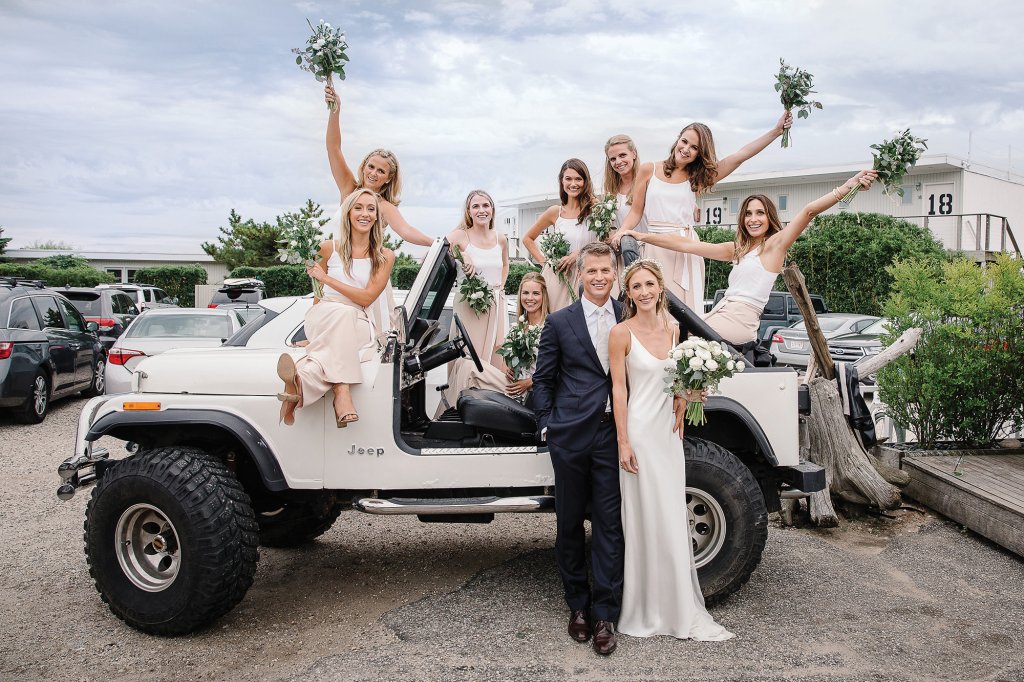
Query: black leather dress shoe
{"points": [[579, 626], [605, 640]]}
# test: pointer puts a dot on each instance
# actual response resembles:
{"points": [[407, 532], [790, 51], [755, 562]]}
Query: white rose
{"points": [[319, 43], [689, 352], [696, 363], [477, 295], [675, 354], [730, 365], [740, 366], [610, 204], [522, 318], [710, 365], [702, 354]]}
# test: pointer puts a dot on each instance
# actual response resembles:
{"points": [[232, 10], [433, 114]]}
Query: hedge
{"points": [[58, 277], [716, 273], [280, 280], [404, 274], [516, 271], [845, 257], [178, 281], [963, 380]]}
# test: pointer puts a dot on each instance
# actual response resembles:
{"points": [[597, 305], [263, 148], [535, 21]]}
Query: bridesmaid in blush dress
{"points": [[661, 594]]}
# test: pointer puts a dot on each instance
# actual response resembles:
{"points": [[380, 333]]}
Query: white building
{"points": [[124, 265], [967, 206]]}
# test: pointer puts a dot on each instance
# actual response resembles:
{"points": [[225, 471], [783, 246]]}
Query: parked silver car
{"points": [[159, 330], [792, 347]]}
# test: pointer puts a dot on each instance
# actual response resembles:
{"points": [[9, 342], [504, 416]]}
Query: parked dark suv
{"points": [[47, 349], [781, 311], [111, 309]]}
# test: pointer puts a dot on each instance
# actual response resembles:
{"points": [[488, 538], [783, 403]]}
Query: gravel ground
{"points": [[906, 598]]}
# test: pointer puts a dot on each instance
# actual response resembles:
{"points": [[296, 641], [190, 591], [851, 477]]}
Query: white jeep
{"points": [[172, 531]]}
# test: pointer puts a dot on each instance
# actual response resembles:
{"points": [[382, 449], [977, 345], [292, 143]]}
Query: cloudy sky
{"points": [[139, 125]]}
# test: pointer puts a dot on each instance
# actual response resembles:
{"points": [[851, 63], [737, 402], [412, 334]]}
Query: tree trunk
{"points": [[819, 347]]}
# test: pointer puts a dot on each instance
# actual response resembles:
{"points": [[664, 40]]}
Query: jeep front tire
{"points": [[728, 518], [171, 540]]}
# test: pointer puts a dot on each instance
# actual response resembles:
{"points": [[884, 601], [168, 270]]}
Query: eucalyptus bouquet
{"points": [[302, 246], [794, 85], [893, 158], [555, 247], [324, 54], [699, 364], [602, 216], [520, 347], [474, 290]]}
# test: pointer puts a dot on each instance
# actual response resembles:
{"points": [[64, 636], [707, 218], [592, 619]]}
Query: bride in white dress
{"points": [[661, 595]]}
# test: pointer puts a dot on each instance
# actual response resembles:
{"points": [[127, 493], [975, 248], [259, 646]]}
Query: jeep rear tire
{"points": [[296, 523], [171, 540], [727, 517]]}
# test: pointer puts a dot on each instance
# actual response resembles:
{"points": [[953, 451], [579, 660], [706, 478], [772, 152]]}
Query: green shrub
{"points": [[280, 280], [63, 262], [716, 273], [963, 381], [516, 271], [58, 277], [178, 281], [404, 274], [845, 256]]}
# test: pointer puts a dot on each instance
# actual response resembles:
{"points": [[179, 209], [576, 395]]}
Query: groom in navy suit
{"points": [[571, 391]]}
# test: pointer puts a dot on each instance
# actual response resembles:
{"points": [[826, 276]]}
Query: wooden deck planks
{"points": [[987, 496]]}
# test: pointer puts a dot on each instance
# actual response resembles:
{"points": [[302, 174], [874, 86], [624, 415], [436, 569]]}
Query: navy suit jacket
{"points": [[570, 388]]}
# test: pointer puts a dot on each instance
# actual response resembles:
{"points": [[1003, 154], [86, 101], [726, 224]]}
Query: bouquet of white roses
{"points": [[893, 158], [474, 289], [602, 216], [324, 54], [520, 347], [794, 85], [303, 246], [699, 364], [555, 247]]}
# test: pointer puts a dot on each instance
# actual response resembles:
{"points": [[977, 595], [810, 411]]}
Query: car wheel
{"points": [[98, 384], [38, 401], [728, 518], [171, 540], [296, 523]]}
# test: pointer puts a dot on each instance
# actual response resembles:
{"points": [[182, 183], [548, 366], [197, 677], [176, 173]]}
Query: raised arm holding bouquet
{"points": [[324, 54], [893, 158]]}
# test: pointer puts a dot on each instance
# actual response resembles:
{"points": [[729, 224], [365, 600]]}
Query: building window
{"points": [[783, 200], [131, 275], [117, 272], [734, 206], [908, 195]]}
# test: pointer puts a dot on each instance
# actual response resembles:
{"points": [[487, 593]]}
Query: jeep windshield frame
{"points": [[429, 292]]}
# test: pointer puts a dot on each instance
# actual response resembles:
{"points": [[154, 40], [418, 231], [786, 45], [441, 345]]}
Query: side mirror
{"points": [[92, 327], [173, 300]]}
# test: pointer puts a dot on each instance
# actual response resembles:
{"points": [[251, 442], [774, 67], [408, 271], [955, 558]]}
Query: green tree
{"points": [[845, 257], [716, 273], [4, 241], [63, 262], [51, 245], [246, 242]]}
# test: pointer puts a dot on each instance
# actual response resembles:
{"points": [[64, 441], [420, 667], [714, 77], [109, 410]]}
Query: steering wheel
{"points": [[462, 340]]}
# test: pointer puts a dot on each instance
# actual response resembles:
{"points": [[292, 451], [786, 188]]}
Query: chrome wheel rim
{"points": [[39, 395], [706, 520], [98, 378], [146, 545]]}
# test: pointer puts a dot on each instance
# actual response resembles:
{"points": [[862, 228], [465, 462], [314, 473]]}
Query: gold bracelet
{"points": [[835, 193]]}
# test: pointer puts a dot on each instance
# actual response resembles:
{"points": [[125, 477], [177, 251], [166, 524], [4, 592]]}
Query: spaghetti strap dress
{"points": [[668, 209]]}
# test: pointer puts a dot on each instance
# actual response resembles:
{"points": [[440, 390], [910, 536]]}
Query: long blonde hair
{"points": [[392, 189], [611, 177], [343, 244], [652, 267], [703, 170], [545, 306], [467, 220]]}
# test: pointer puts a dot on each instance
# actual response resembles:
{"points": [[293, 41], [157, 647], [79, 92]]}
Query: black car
{"points": [[110, 309], [47, 349]]}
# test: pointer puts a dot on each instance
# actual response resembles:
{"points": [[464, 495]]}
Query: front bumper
{"points": [[88, 463]]}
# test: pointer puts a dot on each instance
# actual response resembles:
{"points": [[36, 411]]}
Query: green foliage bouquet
{"points": [[893, 158], [555, 247], [794, 85], [602, 216], [699, 364], [324, 54], [302, 245], [474, 290], [520, 347]]}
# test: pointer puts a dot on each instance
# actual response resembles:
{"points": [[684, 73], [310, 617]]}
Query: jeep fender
{"points": [[721, 404], [135, 425]]}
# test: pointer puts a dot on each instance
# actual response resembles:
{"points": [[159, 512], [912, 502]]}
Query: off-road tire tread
{"points": [[222, 520], [701, 453], [309, 521]]}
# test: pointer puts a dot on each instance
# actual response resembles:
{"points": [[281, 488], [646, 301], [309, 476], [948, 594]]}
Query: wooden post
{"points": [[798, 288]]}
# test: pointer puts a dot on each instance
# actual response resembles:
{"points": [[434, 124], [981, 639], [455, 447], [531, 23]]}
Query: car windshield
{"points": [[210, 326], [87, 303], [827, 324], [877, 328]]}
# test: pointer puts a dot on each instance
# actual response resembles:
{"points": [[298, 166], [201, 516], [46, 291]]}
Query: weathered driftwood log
{"points": [[851, 473]]}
